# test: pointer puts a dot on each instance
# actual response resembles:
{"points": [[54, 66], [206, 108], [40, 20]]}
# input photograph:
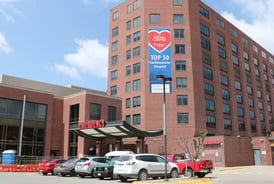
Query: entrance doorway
{"points": [[257, 157]]}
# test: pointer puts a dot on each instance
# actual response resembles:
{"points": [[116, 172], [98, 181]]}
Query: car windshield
{"points": [[125, 158], [83, 159], [70, 161], [101, 160], [113, 160]]}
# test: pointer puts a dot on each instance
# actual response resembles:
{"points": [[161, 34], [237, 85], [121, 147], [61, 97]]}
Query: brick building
{"points": [[222, 80]]}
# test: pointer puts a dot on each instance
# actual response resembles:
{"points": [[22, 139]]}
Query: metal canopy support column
{"points": [[118, 144]]}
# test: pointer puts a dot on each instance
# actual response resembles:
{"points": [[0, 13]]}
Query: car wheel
{"points": [[113, 176], [44, 173], [188, 173], [81, 176], [91, 174], [72, 173], [174, 173], [142, 175], [54, 171], [201, 175], [63, 174], [101, 178], [123, 179]]}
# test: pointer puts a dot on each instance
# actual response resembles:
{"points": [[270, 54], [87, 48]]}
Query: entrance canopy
{"points": [[100, 130]]}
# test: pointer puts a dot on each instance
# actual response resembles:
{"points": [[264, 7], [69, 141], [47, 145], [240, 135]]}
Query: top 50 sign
{"points": [[159, 57]]}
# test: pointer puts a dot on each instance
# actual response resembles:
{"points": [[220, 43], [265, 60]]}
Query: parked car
{"points": [[66, 168], [85, 165], [143, 166], [113, 154], [48, 166], [105, 171]]}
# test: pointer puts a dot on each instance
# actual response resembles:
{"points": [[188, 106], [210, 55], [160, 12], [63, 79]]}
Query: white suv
{"points": [[142, 166]]}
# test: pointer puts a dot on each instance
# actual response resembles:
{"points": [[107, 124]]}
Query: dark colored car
{"points": [[48, 166], [105, 171], [66, 168]]}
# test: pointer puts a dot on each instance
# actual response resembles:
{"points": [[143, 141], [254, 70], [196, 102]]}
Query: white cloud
{"points": [[67, 70], [91, 58], [102, 2], [260, 27], [7, 9], [4, 46]]}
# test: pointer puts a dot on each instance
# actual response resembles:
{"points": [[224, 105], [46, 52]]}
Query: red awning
{"points": [[212, 142]]}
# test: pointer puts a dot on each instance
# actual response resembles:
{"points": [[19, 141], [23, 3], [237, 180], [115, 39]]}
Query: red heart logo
{"points": [[159, 40]]}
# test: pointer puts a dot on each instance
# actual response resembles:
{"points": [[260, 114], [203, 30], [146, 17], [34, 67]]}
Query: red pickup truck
{"points": [[185, 164]]}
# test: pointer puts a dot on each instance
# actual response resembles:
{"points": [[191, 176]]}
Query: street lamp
{"points": [[164, 79]]}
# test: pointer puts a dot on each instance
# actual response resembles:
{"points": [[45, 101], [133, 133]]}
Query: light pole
{"points": [[164, 79]]}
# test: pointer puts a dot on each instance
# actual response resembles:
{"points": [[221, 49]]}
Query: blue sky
{"points": [[65, 42]]}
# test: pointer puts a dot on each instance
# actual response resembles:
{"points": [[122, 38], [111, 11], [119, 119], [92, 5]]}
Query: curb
{"points": [[198, 181]]}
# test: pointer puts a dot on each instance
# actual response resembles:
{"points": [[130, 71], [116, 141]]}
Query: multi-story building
{"points": [[222, 80]]}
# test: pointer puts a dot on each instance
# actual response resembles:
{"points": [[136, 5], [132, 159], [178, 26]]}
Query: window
{"points": [[255, 48], [269, 108], [128, 39], [220, 23], [136, 4], [205, 43], [249, 90], [223, 66], [227, 124], [182, 100], [265, 77], [239, 98], [268, 98], [137, 101], [204, 29], [178, 18], [234, 48], [245, 41], [240, 112], [233, 33], [238, 85], [261, 106], [180, 49], [208, 74], [206, 57], [115, 32], [128, 55], [221, 52], [263, 54], [128, 86], [253, 127], [250, 102], [111, 113], [136, 68], [272, 72], [115, 15], [247, 67], [262, 117], [208, 89], [220, 39], [128, 103], [179, 33], [251, 114], [136, 85], [259, 94], [74, 112], [114, 75], [237, 72], [226, 109], [210, 121], [271, 60], [241, 125], [177, 2], [181, 82], [246, 56], [136, 52], [209, 105], [136, 36], [264, 67], [114, 60], [182, 118], [225, 94], [235, 60], [136, 119], [128, 119], [204, 12], [136, 22], [180, 65], [94, 111], [128, 70], [113, 90], [224, 80], [154, 18], [129, 8], [257, 72], [255, 61], [114, 46], [129, 25]]}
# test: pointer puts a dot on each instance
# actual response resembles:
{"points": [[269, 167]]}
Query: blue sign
{"points": [[159, 59]]}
